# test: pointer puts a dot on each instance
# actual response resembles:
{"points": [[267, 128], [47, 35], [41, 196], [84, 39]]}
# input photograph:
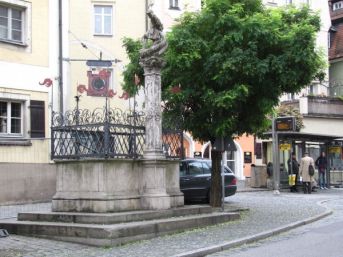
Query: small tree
{"points": [[227, 66]]}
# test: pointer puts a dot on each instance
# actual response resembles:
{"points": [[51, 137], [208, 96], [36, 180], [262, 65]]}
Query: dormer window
{"points": [[337, 5]]}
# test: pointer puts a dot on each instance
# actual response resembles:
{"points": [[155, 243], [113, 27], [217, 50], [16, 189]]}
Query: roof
{"points": [[302, 136], [336, 41]]}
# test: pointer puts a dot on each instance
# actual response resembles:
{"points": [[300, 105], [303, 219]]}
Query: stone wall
{"points": [[25, 182]]}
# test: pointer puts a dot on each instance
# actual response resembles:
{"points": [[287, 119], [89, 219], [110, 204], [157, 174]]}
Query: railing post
{"points": [[77, 122], [134, 134], [52, 139], [106, 133]]}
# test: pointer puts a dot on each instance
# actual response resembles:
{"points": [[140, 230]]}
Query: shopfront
{"points": [[314, 144]]}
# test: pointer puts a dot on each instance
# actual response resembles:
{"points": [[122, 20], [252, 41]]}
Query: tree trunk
{"points": [[216, 181]]}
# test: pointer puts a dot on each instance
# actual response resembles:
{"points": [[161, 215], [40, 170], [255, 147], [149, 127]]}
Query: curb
{"points": [[250, 239]]}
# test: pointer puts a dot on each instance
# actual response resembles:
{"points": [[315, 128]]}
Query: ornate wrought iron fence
{"points": [[105, 133]]}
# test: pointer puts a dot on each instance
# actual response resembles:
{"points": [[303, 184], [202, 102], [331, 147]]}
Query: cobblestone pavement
{"points": [[326, 228], [266, 211]]}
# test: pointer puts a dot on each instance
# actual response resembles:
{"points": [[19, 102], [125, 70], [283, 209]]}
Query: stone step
{"points": [[113, 218], [115, 234]]}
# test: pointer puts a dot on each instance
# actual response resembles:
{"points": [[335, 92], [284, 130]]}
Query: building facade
{"points": [[319, 102], [336, 48], [49, 51], [96, 32], [28, 57]]}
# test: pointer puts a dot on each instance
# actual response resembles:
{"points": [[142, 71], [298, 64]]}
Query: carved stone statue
{"points": [[154, 45], [152, 52]]}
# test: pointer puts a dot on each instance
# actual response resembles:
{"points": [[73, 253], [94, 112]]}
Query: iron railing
{"points": [[105, 133]]}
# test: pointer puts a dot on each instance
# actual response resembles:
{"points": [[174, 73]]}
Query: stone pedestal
{"points": [[153, 113], [116, 185], [158, 184]]}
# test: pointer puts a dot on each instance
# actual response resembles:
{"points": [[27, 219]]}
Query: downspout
{"points": [[60, 58]]}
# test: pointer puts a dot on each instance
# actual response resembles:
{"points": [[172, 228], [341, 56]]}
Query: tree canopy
{"points": [[227, 65]]}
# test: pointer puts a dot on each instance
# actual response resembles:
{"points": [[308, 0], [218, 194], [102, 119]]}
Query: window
{"points": [[230, 160], [102, 20], [288, 1], [247, 157], [183, 168], [207, 166], [11, 23], [337, 5], [174, 4], [16, 112], [195, 168], [11, 118]]}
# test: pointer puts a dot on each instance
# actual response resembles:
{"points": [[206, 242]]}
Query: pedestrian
{"points": [[321, 163], [293, 169], [305, 163]]}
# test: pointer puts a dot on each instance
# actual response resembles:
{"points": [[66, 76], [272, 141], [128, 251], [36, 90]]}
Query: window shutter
{"points": [[37, 119]]}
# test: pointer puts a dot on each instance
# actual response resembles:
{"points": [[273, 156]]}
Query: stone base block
{"points": [[96, 205], [156, 202], [62, 226], [117, 185], [176, 199]]}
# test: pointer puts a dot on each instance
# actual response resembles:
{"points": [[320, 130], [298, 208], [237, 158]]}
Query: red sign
{"points": [[98, 84]]}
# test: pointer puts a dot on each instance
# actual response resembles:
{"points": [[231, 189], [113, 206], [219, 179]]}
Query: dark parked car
{"points": [[195, 180]]}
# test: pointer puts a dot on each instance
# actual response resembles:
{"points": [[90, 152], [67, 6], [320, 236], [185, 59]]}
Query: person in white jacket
{"points": [[305, 162]]}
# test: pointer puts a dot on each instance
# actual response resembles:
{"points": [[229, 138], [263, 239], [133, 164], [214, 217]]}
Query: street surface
{"points": [[318, 239], [266, 212]]}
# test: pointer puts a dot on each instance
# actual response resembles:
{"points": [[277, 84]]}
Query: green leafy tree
{"points": [[132, 69], [227, 66]]}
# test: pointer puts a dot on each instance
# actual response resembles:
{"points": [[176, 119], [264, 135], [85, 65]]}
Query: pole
{"points": [[146, 16], [134, 128], [60, 56], [223, 177], [276, 168]]}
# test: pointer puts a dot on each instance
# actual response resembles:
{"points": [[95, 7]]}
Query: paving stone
{"points": [[266, 211]]}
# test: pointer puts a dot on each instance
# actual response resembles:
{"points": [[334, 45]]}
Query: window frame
{"points": [[25, 115], [174, 4], [103, 15], [25, 8], [9, 119], [335, 6]]}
